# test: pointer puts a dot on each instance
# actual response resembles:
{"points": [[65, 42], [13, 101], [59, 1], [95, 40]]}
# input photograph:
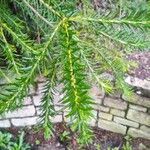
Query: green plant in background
{"points": [[67, 42], [65, 136], [127, 145], [7, 142]]}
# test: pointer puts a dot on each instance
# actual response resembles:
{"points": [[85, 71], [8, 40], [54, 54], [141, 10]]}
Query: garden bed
{"points": [[63, 140]]}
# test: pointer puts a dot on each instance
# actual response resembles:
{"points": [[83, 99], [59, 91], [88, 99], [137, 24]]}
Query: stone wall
{"points": [[114, 113]]}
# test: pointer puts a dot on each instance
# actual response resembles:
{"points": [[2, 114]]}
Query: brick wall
{"points": [[114, 113]]}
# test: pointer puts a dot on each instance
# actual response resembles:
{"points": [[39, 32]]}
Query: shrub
{"points": [[69, 42]]}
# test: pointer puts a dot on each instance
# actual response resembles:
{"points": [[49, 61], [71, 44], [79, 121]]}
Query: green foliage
{"points": [[68, 42], [8, 143]]}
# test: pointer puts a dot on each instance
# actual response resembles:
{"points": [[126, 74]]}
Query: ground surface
{"points": [[142, 71], [59, 142]]}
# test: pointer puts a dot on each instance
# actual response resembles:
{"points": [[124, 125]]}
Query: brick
{"points": [[112, 126], [92, 121], [57, 98], [115, 103], [117, 112], [138, 133], [21, 112], [27, 101], [136, 99], [37, 99], [32, 90], [58, 107], [142, 85], [136, 107], [139, 117], [38, 110], [96, 94], [19, 122], [105, 116], [126, 122], [56, 119], [102, 108], [145, 129], [5, 124]]}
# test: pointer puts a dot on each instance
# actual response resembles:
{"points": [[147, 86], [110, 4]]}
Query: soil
{"points": [[142, 70], [106, 139]]}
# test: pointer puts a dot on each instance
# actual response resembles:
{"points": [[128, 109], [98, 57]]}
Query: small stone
{"points": [[24, 121], [145, 129], [105, 116], [126, 122], [112, 126], [139, 117], [138, 133], [117, 112], [115, 103], [5, 124], [136, 107]]}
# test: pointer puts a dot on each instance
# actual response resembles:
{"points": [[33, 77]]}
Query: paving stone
{"points": [[21, 112], [24, 121], [126, 122], [136, 99], [139, 117], [112, 126], [27, 101], [5, 124], [117, 112], [102, 108], [115, 103], [145, 129], [136, 107], [105, 116], [138, 133]]}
